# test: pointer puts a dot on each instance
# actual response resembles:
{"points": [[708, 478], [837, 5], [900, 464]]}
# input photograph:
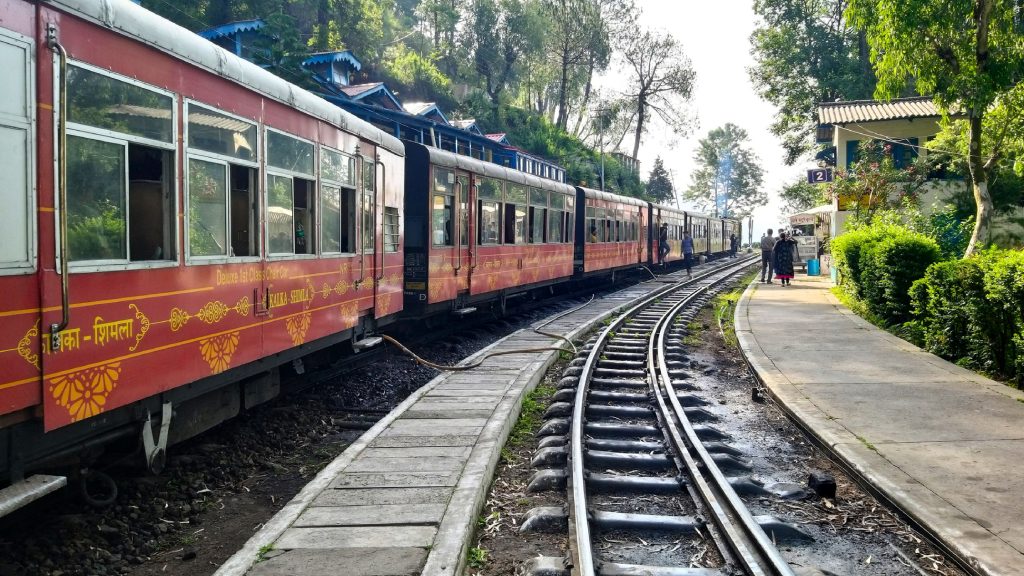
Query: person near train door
{"points": [[687, 252], [782, 258], [663, 247], [767, 244]]}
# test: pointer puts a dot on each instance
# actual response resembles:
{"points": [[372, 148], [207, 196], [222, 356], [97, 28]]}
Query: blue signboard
{"points": [[819, 176]]}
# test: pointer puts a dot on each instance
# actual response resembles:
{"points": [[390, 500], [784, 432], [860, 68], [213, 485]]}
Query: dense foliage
{"points": [[972, 311], [879, 263], [728, 177], [971, 59], [531, 63], [805, 52]]}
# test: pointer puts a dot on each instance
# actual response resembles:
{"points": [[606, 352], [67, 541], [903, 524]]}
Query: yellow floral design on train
{"points": [[84, 393], [211, 312], [297, 327], [25, 346], [217, 351]]}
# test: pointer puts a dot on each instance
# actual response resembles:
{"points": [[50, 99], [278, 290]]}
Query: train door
{"points": [[374, 179], [22, 329], [463, 236]]}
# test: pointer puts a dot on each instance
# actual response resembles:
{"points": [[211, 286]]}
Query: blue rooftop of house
{"points": [[343, 56], [232, 28]]}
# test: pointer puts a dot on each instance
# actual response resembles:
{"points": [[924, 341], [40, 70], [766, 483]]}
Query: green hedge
{"points": [[878, 264], [971, 311]]}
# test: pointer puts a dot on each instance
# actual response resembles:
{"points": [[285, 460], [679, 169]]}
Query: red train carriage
{"points": [[676, 221], [216, 222], [514, 232], [611, 232]]}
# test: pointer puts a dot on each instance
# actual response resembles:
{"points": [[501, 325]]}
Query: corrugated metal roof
{"points": [[345, 56], [876, 110], [232, 28]]}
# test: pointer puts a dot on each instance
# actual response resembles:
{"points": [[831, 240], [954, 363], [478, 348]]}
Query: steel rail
{"points": [[579, 519], [747, 542]]}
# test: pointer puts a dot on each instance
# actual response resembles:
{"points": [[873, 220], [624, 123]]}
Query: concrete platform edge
{"points": [[449, 554], [450, 546], [871, 471]]}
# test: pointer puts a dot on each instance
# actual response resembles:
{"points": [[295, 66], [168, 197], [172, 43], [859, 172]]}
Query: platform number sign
{"points": [[819, 176]]}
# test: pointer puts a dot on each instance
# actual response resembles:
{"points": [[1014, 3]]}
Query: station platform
{"points": [[404, 498], [938, 442]]}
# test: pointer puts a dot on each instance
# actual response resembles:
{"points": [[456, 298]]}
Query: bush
{"points": [[1004, 288], [889, 267], [846, 257], [951, 308]]}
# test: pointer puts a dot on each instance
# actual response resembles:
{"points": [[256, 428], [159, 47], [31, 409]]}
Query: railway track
{"points": [[643, 466]]}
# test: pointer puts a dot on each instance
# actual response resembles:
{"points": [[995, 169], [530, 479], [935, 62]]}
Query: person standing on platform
{"points": [[782, 258], [687, 252], [767, 244], [732, 245]]}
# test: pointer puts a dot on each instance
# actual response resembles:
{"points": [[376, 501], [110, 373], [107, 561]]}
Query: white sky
{"points": [[716, 38]]}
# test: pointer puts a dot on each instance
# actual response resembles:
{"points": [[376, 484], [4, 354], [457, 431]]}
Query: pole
{"points": [[600, 136]]}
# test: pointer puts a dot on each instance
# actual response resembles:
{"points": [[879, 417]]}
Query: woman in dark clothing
{"points": [[782, 258]]}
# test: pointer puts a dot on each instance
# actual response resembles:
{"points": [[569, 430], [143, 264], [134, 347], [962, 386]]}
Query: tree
{"points": [[967, 54], [802, 195], [728, 178], [805, 53], [659, 186], [572, 36], [661, 81], [500, 34]]}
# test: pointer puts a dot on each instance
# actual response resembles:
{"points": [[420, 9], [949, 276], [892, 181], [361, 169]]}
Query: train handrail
{"points": [[376, 210], [62, 192], [457, 224]]}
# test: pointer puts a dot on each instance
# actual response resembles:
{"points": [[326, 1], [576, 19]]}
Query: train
{"points": [[182, 223]]}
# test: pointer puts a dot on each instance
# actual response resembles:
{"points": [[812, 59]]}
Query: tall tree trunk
{"points": [[979, 184], [586, 97], [641, 111], [563, 92]]}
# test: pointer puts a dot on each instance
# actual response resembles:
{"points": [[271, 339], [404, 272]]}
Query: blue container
{"points": [[813, 267]]}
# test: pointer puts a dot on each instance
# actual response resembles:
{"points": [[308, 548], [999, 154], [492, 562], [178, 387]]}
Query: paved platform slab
{"points": [[937, 441], [405, 497]]}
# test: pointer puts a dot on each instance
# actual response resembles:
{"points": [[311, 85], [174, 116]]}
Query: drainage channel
{"points": [[642, 463]]}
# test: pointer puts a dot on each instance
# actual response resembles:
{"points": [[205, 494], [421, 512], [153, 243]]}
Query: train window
{"points": [[222, 194], [17, 219], [489, 222], [368, 204], [337, 202], [291, 194], [538, 216], [207, 213], [108, 103], [390, 229], [490, 211], [219, 133], [462, 190], [516, 198], [443, 207], [120, 163], [556, 218]]}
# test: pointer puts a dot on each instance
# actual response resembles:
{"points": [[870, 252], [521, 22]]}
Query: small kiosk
{"points": [[811, 230]]}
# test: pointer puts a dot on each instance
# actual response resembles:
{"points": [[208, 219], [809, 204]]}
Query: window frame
{"points": [[187, 154], [27, 124], [110, 136], [342, 188], [281, 172]]}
